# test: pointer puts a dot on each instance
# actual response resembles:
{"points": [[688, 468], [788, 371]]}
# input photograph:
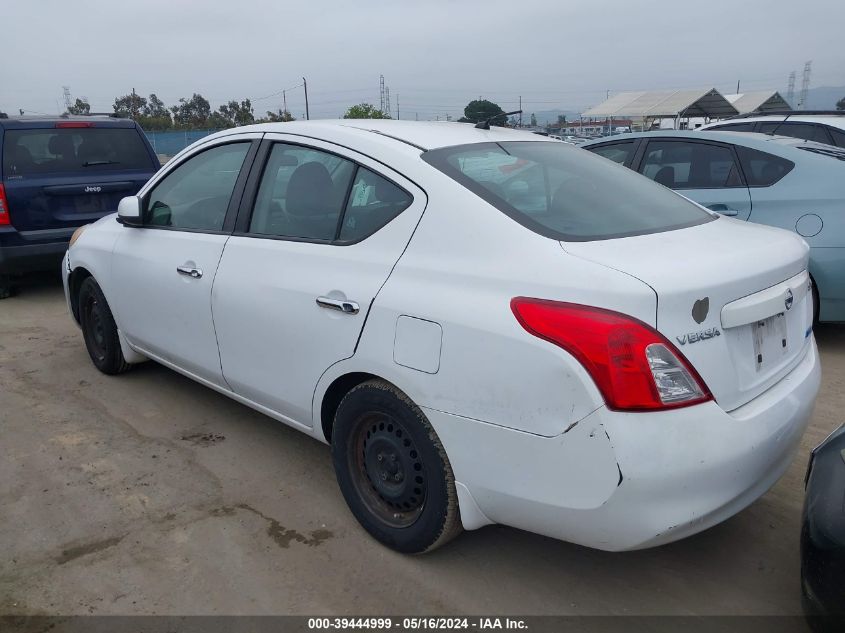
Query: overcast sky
{"points": [[435, 54]]}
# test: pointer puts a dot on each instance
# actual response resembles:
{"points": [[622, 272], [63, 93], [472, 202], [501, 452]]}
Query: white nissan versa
{"points": [[486, 326]]}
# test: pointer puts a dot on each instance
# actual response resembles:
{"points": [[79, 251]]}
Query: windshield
{"points": [[565, 193], [82, 149]]}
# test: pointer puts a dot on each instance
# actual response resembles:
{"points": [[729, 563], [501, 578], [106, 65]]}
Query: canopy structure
{"points": [[665, 104], [760, 101]]}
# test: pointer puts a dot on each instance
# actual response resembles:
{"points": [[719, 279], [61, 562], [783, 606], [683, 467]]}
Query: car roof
{"points": [[834, 120], [423, 135]]}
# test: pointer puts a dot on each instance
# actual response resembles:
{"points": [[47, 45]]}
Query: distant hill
{"points": [[822, 98]]}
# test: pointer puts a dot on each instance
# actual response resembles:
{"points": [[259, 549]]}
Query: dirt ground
{"points": [[148, 493]]}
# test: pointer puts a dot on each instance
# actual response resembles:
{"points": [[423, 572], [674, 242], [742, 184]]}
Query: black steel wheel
{"points": [[99, 329], [392, 469]]}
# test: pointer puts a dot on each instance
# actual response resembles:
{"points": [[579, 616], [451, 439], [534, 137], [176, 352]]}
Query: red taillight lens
{"points": [[74, 124], [5, 220], [633, 365]]}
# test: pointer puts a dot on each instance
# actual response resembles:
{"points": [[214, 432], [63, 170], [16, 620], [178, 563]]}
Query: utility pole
{"points": [[305, 86], [285, 102], [520, 110], [790, 91], [737, 86], [132, 107], [381, 92], [397, 106], [805, 86], [387, 99]]}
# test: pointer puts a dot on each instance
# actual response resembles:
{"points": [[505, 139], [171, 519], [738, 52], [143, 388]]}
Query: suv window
{"points": [[196, 194], [762, 169], [302, 193], [694, 165], [807, 131], [373, 202], [617, 152], [838, 136], [563, 193], [734, 127], [83, 149]]}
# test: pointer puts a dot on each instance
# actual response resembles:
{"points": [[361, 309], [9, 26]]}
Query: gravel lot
{"points": [[148, 493]]}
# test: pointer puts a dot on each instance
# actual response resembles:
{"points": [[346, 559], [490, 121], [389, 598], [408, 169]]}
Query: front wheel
{"points": [[392, 469], [100, 330]]}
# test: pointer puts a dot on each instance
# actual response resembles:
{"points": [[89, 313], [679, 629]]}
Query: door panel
{"points": [[166, 268], [706, 173], [162, 310], [275, 339]]}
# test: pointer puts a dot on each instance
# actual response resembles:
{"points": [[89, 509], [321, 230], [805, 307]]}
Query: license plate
{"points": [[770, 340]]}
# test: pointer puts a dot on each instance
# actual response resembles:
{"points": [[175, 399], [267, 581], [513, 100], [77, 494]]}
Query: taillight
{"points": [[5, 220], [634, 367], [74, 124]]}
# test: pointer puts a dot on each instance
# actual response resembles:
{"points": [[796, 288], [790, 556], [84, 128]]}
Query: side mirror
{"points": [[129, 211]]}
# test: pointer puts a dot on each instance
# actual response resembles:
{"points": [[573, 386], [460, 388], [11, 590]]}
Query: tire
{"points": [[393, 471], [6, 288], [815, 304], [100, 330]]}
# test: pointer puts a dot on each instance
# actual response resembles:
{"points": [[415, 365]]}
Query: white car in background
{"points": [[820, 126], [486, 326]]}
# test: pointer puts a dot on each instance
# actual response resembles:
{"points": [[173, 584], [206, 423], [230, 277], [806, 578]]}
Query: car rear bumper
{"points": [[622, 481], [39, 255]]}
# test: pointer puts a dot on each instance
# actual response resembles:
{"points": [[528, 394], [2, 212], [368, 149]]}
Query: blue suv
{"points": [[59, 173]]}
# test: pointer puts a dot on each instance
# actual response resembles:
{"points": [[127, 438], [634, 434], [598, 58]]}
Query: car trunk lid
{"points": [[732, 297]]}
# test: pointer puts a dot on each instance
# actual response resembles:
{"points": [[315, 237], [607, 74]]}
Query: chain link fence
{"points": [[170, 142]]}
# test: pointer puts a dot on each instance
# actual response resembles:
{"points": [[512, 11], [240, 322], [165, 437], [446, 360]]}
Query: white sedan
{"points": [[485, 325]]}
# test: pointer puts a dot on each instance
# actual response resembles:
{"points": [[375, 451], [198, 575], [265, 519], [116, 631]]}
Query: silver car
{"points": [[780, 181]]}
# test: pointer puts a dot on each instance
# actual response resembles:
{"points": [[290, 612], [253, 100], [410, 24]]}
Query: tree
{"points": [[533, 120], [79, 107], [191, 113], [129, 106], [365, 111], [481, 110], [561, 120], [154, 107], [232, 114], [282, 116], [840, 105]]}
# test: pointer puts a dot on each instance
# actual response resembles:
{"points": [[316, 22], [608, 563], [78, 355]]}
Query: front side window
{"points": [[806, 131], [196, 194], [682, 165], [762, 169], [734, 127], [564, 193], [617, 152], [86, 150]]}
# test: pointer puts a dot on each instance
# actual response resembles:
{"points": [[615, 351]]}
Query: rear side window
{"points": [[310, 194], [86, 150], [617, 152], [734, 127], [762, 169], [373, 202], [682, 165], [807, 131], [564, 193]]}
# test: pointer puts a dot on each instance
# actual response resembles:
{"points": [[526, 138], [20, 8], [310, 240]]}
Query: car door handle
{"points": [[723, 209], [196, 273], [347, 307]]}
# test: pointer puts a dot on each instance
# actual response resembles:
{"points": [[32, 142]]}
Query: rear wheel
{"points": [[100, 330], [392, 469]]}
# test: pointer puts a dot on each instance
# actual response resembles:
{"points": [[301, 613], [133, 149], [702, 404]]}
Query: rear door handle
{"points": [[196, 273], [341, 305]]}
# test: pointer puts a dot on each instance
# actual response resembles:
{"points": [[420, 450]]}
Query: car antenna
{"points": [[778, 126], [485, 124]]}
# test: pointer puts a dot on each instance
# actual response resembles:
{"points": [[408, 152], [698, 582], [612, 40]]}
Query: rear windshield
{"points": [[49, 150], [564, 192]]}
